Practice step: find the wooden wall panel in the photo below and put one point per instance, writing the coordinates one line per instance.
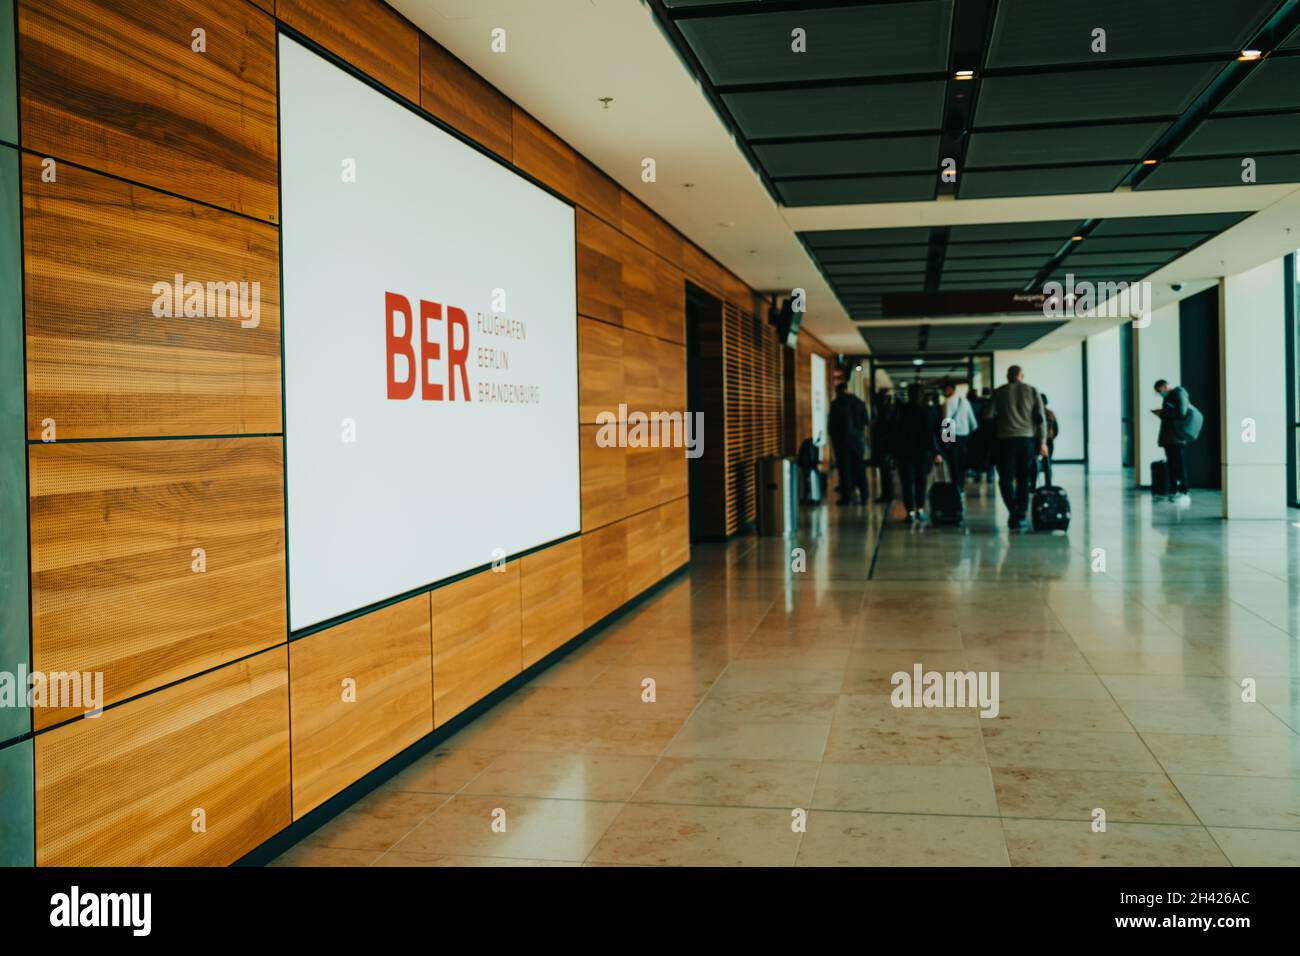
(461, 98)
(551, 589)
(113, 529)
(114, 85)
(369, 34)
(121, 789)
(604, 569)
(597, 193)
(387, 654)
(543, 155)
(644, 566)
(604, 479)
(600, 269)
(640, 294)
(600, 368)
(670, 302)
(477, 642)
(753, 366)
(674, 534)
(99, 362)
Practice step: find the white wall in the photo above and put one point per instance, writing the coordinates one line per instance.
(1059, 374)
(1105, 415)
(1252, 349)
(1155, 356)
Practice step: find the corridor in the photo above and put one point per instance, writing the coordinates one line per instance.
(1123, 652)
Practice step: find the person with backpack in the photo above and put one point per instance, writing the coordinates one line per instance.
(882, 436)
(1053, 429)
(1180, 424)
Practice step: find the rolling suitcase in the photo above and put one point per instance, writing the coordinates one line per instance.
(946, 506)
(1159, 478)
(1050, 509)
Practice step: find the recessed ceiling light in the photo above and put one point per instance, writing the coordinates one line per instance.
(918, 361)
(1148, 162)
(1076, 238)
(1249, 56)
(964, 75)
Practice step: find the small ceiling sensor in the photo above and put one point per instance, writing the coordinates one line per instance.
(964, 75)
(688, 185)
(727, 225)
(1249, 56)
(607, 100)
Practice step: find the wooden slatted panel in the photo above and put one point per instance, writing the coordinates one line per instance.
(752, 366)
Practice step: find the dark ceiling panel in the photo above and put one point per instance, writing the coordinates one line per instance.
(1147, 245)
(1242, 136)
(844, 190)
(844, 42)
(1050, 32)
(1042, 248)
(1100, 95)
(832, 238)
(823, 111)
(989, 183)
(1144, 259)
(984, 263)
(1272, 85)
(1060, 229)
(873, 254)
(1200, 222)
(1063, 145)
(872, 268)
(1018, 335)
(1204, 173)
(1292, 42)
(881, 154)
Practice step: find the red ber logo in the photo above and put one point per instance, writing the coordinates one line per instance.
(402, 343)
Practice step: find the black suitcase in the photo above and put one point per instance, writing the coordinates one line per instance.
(1051, 509)
(946, 506)
(1160, 478)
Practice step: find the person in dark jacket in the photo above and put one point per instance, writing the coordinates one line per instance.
(1180, 423)
(916, 449)
(845, 423)
(882, 434)
(1053, 429)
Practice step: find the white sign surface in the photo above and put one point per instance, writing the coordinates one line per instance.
(430, 349)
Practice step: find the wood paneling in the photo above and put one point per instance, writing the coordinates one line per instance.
(600, 368)
(100, 363)
(551, 588)
(643, 551)
(115, 85)
(604, 479)
(604, 570)
(753, 368)
(597, 193)
(674, 535)
(337, 740)
(600, 269)
(543, 155)
(477, 643)
(461, 98)
(122, 789)
(369, 34)
(114, 526)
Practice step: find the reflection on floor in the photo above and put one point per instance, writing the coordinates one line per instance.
(1121, 651)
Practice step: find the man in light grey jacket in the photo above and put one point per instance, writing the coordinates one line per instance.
(1021, 438)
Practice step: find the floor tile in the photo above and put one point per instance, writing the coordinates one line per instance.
(896, 839)
(655, 835)
(1056, 843)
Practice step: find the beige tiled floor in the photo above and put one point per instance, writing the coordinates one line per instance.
(772, 740)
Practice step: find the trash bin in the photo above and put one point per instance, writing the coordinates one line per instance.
(778, 497)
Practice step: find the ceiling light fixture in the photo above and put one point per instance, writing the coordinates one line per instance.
(1076, 238)
(1148, 162)
(1249, 56)
(918, 361)
(964, 75)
